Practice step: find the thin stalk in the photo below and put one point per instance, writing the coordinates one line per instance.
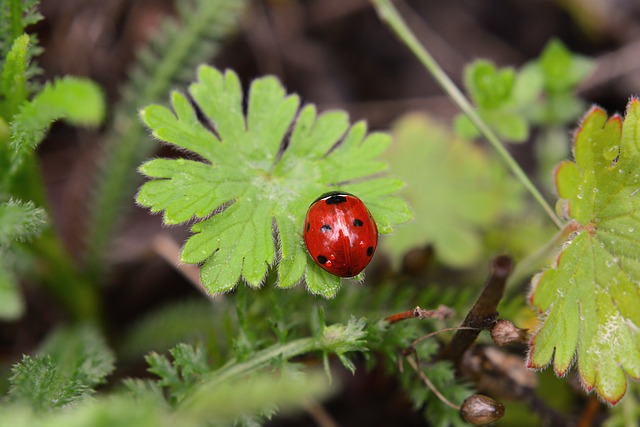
(57, 271)
(389, 14)
(15, 13)
(234, 370)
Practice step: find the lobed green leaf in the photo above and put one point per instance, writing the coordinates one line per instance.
(590, 296)
(453, 184)
(260, 174)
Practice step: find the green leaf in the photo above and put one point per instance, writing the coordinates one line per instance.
(590, 297)
(81, 353)
(456, 189)
(499, 95)
(39, 383)
(20, 221)
(488, 86)
(77, 101)
(189, 364)
(527, 86)
(255, 176)
(213, 403)
(463, 127)
(511, 126)
(77, 360)
(562, 70)
(13, 82)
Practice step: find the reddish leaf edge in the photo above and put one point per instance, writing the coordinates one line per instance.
(594, 113)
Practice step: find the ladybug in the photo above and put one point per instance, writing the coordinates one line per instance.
(340, 233)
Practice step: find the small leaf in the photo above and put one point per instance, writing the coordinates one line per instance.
(256, 176)
(20, 221)
(77, 101)
(488, 86)
(528, 85)
(455, 188)
(13, 82)
(80, 353)
(465, 128)
(39, 383)
(499, 95)
(561, 69)
(590, 297)
(512, 127)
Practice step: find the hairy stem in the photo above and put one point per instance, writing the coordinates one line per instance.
(234, 370)
(392, 18)
(57, 271)
(127, 143)
(15, 12)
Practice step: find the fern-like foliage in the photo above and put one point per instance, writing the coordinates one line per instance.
(15, 17)
(178, 45)
(72, 362)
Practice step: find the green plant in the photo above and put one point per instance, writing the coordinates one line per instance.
(588, 297)
(26, 113)
(261, 185)
(176, 48)
(248, 167)
(542, 92)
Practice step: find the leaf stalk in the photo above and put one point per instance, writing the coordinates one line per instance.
(389, 14)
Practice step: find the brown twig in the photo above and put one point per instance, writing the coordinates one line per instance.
(483, 314)
(167, 248)
(440, 313)
(320, 415)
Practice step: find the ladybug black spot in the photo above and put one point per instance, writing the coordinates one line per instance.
(308, 226)
(370, 251)
(322, 259)
(325, 228)
(357, 223)
(336, 199)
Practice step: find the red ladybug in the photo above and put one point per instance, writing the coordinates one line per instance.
(340, 233)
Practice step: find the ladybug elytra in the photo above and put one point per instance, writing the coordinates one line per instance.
(340, 233)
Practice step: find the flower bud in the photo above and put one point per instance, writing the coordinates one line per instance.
(505, 332)
(480, 410)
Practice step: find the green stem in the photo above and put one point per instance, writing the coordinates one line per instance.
(79, 297)
(57, 271)
(388, 13)
(234, 370)
(15, 14)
